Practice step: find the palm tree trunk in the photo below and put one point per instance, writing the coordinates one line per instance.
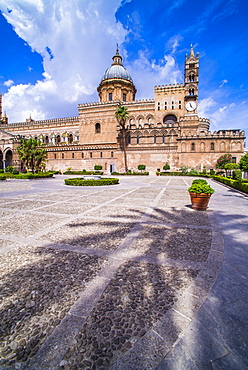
(124, 148)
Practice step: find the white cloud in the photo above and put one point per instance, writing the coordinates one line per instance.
(147, 74)
(223, 82)
(80, 35)
(205, 105)
(8, 83)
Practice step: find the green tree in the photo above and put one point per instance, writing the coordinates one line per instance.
(141, 167)
(223, 160)
(166, 166)
(243, 163)
(32, 154)
(121, 114)
(231, 166)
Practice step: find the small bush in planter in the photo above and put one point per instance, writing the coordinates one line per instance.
(200, 193)
(200, 181)
(97, 167)
(201, 188)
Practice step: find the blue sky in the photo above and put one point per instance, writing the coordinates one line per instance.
(54, 53)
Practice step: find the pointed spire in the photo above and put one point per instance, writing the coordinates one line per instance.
(192, 53)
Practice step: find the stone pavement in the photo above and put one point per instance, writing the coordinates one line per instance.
(122, 277)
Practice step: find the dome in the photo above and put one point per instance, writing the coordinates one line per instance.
(117, 71)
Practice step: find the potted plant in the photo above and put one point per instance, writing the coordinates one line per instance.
(200, 192)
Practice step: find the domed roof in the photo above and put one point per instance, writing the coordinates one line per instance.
(117, 70)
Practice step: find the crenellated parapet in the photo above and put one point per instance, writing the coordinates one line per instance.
(231, 134)
(47, 122)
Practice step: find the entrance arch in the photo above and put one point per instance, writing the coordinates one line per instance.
(8, 158)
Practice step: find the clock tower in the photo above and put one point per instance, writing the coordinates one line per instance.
(191, 76)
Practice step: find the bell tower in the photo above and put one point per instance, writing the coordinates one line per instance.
(191, 79)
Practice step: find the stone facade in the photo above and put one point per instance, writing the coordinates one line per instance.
(164, 129)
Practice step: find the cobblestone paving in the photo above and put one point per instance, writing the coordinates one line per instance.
(99, 276)
(38, 286)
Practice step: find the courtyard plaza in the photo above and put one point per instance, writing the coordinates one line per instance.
(122, 277)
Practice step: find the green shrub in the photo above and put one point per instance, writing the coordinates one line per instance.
(237, 175)
(236, 184)
(201, 188)
(184, 169)
(15, 172)
(84, 172)
(97, 167)
(193, 172)
(212, 172)
(1, 171)
(83, 182)
(130, 173)
(166, 166)
(2, 177)
(141, 167)
(200, 181)
(31, 175)
(9, 169)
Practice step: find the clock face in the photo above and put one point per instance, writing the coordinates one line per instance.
(190, 106)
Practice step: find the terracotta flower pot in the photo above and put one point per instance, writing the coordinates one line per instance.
(199, 201)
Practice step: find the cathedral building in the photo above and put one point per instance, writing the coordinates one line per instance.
(164, 129)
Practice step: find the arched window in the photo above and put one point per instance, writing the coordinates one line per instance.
(70, 138)
(112, 154)
(46, 139)
(212, 146)
(192, 147)
(154, 139)
(191, 91)
(72, 155)
(192, 77)
(170, 118)
(100, 154)
(82, 155)
(8, 158)
(63, 156)
(58, 139)
(97, 128)
(137, 140)
(110, 96)
(124, 97)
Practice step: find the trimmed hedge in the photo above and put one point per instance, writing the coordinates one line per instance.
(182, 174)
(84, 172)
(83, 182)
(130, 173)
(2, 177)
(236, 184)
(28, 175)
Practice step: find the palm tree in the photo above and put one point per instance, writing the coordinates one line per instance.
(31, 153)
(121, 114)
